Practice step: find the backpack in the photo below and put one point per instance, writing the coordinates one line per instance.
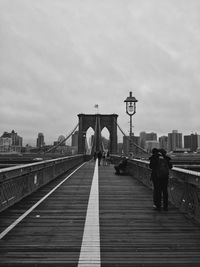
(162, 168)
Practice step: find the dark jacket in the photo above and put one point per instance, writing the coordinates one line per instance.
(99, 155)
(154, 161)
(153, 166)
(123, 163)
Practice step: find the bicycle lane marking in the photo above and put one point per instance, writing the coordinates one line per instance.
(90, 248)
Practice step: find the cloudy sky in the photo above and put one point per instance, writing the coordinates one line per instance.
(59, 58)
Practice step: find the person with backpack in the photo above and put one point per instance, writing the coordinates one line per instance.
(160, 164)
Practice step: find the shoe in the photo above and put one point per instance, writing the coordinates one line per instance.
(156, 208)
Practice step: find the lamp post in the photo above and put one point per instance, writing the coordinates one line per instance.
(130, 110)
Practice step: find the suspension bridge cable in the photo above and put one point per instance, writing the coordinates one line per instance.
(142, 149)
(100, 136)
(60, 143)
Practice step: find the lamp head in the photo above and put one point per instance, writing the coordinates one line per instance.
(130, 104)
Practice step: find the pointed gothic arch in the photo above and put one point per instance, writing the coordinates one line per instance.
(98, 122)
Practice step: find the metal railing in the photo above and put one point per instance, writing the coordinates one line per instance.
(19, 182)
(184, 185)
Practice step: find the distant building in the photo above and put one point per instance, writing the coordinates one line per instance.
(142, 139)
(74, 144)
(61, 140)
(163, 142)
(151, 136)
(10, 142)
(126, 145)
(149, 145)
(75, 139)
(55, 143)
(40, 140)
(120, 148)
(147, 137)
(192, 142)
(174, 140)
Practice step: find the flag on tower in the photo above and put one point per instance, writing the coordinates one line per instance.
(96, 105)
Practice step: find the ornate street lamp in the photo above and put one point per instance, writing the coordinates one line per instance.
(130, 110)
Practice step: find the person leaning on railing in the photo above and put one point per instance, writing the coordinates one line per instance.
(160, 164)
(121, 167)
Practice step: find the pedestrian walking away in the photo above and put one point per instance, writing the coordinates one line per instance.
(104, 158)
(108, 158)
(99, 155)
(95, 155)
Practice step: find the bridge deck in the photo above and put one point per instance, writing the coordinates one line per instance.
(131, 233)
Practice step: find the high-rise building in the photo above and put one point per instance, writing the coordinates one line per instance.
(151, 136)
(40, 140)
(163, 142)
(61, 140)
(142, 139)
(75, 139)
(120, 148)
(10, 142)
(174, 141)
(150, 144)
(192, 142)
(147, 137)
(6, 142)
(126, 144)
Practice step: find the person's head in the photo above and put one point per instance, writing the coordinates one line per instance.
(163, 151)
(154, 151)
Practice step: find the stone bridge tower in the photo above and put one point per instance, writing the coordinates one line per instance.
(97, 122)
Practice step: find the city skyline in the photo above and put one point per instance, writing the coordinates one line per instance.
(33, 141)
(61, 58)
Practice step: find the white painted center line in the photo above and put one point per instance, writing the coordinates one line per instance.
(90, 248)
(9, 228)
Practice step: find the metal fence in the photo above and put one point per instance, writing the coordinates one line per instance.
(19, 182)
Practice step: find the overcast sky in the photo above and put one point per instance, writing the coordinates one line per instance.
(59, 58)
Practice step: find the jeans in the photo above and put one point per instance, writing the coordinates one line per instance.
(160, 192)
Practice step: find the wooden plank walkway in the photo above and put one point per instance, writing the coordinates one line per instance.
(131, 233)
